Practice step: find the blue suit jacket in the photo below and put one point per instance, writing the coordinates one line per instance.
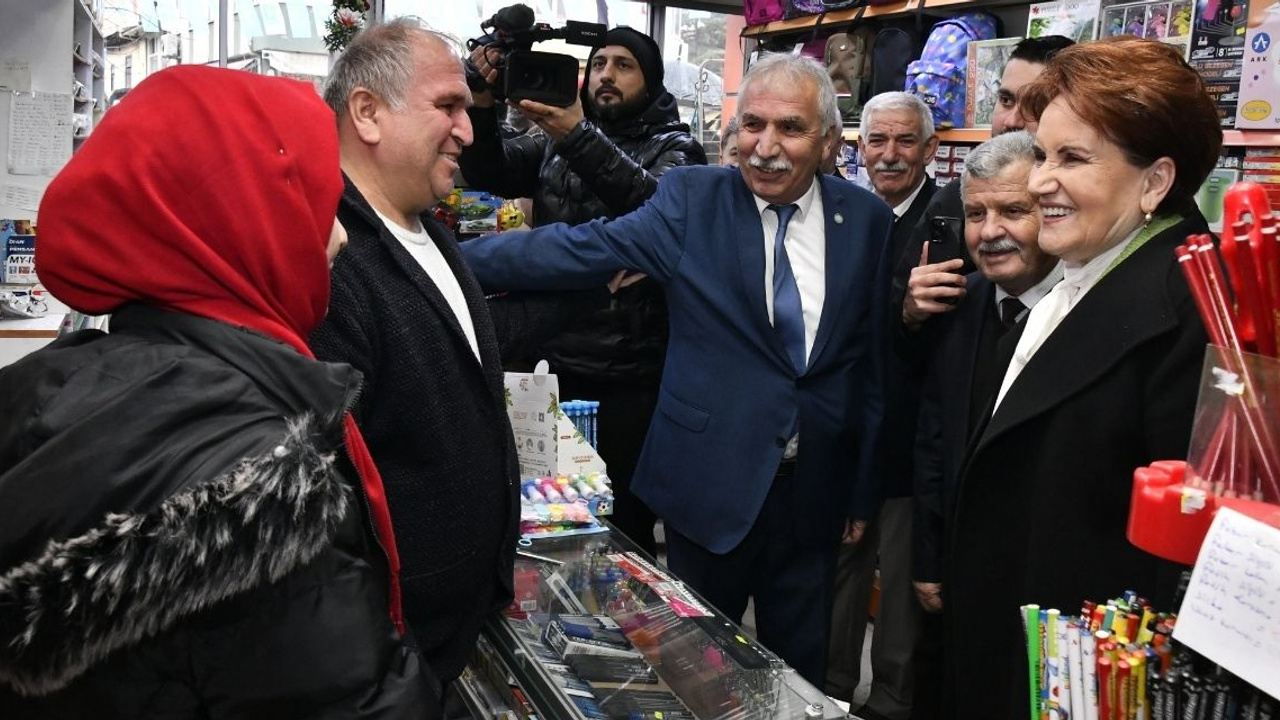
(729, 395)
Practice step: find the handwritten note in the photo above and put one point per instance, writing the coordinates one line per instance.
(39, 133)
(21, 197)
(15, 74)
(1231, 613)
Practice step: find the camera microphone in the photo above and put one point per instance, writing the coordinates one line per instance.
(513, 18)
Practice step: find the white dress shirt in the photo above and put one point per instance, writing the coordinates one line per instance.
(424, 250)
(1047, 315)
(901, 208)
(807, 250)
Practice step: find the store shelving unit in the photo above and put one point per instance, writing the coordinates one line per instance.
(88, 53)
(837, 19)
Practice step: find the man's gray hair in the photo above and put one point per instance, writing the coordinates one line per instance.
(897, 102)
(991, 157)
(380, 59)
(730, 130)
(794, 69)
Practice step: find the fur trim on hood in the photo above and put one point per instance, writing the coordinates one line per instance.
(136, 575)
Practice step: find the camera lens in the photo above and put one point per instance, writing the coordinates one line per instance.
(531, 78)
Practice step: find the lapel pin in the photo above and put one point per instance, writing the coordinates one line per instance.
(838, 218)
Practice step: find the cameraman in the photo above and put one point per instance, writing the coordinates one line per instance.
(598, 158)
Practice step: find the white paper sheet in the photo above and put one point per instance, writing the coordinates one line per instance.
(1231, 613)
(39, 133)
(21, 197)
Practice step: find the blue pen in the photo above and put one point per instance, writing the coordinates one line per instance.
(595, 414)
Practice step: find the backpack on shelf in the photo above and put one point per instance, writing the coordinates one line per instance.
(847, 56)
(937, 77)
(800, 8)
(893, 49)
(759, 12)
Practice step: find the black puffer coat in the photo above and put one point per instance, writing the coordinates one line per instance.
(599, 170)
(175, 541)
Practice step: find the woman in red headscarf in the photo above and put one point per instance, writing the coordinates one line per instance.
(177, 538)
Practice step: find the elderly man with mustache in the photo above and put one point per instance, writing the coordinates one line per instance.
(761, 456)
(968, 353)
(897, 142)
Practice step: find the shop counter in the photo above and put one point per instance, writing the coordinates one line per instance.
(598, 630)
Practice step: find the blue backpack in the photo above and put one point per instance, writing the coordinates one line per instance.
(937, 77)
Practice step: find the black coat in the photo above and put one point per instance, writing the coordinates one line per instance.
(1043, 500)
(435, 420)
(598, 170)
(944, 428)
(902, 369)
(176, 540)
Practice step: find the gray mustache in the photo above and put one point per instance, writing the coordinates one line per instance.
(776, 165)
(997, 246)
(900, 166)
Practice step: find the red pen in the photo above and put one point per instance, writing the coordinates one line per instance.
(1200, 292)
(1131, 627)
(1106, 710)
(1122, 705)
(1252, 300)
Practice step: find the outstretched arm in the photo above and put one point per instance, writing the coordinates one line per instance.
(561, 257)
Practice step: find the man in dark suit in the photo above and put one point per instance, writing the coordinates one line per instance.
(897, 142)
(761, 455)
(409, 315)
(970, 348)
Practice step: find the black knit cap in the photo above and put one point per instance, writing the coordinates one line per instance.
(645, 51)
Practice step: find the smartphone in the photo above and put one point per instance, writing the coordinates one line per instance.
(942, 230)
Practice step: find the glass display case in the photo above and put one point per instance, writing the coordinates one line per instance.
(599, 631)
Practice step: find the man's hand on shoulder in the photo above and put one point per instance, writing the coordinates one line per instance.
(555, 121)
(932, 289)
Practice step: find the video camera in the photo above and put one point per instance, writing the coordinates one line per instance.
(548, 78)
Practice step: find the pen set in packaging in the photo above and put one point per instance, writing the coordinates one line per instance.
(1117, 660)
(583, 414)
(564, 503)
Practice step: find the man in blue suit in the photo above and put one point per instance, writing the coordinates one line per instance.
(761, 457)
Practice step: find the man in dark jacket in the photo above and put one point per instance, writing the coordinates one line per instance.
(598, 158)
(898, 141)
(408, 314)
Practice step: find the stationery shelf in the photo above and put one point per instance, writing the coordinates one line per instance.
(955, 135)
(837, 18)
(1230, 138)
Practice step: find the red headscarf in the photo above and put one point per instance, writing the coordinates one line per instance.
(205, 191)
(210, 192)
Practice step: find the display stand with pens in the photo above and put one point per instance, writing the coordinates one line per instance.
(1234, 458)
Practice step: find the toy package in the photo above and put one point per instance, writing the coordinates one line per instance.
(17, 252)
(1168, 21)
(1074, 19)
(1259, 107)
(1218, 49)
